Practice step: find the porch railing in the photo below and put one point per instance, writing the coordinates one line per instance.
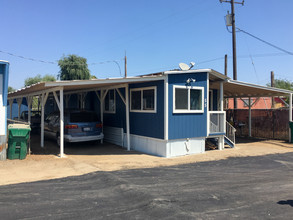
(217, 122)
(230, 132)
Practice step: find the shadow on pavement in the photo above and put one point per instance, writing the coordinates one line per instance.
(85, 148)
(286, 202)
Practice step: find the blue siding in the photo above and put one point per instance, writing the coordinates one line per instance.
(117, 119)
(149, 124)
(15, 110)
(187, 125)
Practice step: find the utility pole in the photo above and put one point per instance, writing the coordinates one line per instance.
(226, 65)
(273, 85)
(232, 2)
(125, 59)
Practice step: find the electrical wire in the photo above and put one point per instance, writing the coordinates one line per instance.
(272, 45)
(56, 62)
(27, 58)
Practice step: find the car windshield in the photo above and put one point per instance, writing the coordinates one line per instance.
(83, 117)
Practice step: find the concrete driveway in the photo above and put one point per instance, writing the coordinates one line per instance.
(258, 187)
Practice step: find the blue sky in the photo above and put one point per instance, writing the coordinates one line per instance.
(156, 34)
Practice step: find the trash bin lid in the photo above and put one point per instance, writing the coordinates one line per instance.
(18, 126)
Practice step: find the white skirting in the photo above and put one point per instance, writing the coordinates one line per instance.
(155, 146)
(167, 148)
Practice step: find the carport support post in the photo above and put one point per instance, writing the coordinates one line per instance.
(42, 119)
(61, 124)
(221, 97)
(19, 101)
(290, 115)
(249, 116)
(10, 105)
(29, 103)
(101, 110)
(127, 116)
(43, 100)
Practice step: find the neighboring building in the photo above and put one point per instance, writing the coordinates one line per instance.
(4, 68)
(258, 103)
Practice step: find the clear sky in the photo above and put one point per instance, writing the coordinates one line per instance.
(156, 34)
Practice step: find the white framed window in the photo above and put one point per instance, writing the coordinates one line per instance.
(188, 99)
(143, 99)
(110, 102)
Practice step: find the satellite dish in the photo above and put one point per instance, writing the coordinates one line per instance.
(192, 64)
(184, 66)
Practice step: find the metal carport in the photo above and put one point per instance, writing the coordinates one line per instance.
(65, 88)
(238, 89)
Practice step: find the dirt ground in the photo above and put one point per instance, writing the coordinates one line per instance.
(44, 163)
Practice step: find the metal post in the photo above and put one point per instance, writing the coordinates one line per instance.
(273, 85)
(249, 116)
(61, 124)
(29, 102)
(221, 96)
(101, 111)
(127, 116)
(19, 101)
(42, 119)
(10, 105)
(226, 65)
(290, 115)
(125, 66)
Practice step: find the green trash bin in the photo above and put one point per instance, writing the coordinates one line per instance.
(291, 129)
(17, 141)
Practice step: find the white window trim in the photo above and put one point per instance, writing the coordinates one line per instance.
(142, 89)
(188, 110)
(108, 111)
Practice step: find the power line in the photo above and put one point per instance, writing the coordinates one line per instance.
(56, 62)
(27, 58)
(272, 45)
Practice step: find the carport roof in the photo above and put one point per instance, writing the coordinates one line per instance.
(232, 88)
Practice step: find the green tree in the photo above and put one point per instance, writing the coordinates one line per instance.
(73, 67)
(48, 78)
(283, 84)
(93, 77)
(10, 89)
(33, 80)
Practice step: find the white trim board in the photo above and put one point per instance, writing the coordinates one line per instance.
(141, 89)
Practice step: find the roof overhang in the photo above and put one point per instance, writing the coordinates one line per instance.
(234, 89)
(80, 85)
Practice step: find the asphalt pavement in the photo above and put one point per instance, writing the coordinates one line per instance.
(244, 188)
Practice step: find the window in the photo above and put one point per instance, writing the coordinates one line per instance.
(188, 99)
(109, 104)
(143, 99)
